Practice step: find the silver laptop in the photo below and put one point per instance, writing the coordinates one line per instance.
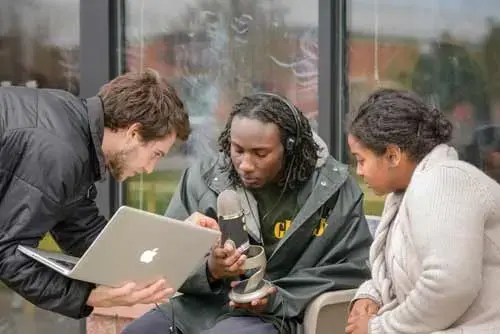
(136, 246)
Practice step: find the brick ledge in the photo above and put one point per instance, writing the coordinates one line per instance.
(130, 312)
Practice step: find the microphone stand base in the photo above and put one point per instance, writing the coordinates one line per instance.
(238, 295)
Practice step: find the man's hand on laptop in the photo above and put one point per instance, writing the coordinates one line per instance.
(205, 221)
(129, 294)
(202, 220)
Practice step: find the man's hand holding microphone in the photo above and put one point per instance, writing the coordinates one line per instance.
(132, 293)
(229, 255)
(227, 262)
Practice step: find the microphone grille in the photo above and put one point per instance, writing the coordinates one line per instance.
(228, 203)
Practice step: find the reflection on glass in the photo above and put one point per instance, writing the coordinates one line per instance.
(39, 47)
(39, 44)
(214, 52)
(447, 51)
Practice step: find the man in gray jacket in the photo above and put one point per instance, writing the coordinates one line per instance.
(53, 147)
(300, 204)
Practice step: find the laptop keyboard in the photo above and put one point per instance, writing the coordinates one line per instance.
(65, 264)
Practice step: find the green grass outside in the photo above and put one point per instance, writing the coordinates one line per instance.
(373, 204)
(156, 189)
(49, 244)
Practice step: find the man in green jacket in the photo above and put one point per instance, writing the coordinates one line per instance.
(300, 204)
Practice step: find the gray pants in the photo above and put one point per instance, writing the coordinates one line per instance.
(156, 322)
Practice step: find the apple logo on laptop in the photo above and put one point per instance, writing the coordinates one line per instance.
(148, 255)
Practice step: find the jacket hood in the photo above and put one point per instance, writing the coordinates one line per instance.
(323, 152)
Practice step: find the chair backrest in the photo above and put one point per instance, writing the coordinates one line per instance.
(327, 314)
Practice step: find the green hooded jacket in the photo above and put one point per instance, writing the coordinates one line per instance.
(325, 247)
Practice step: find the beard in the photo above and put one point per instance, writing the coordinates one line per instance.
(117, 163)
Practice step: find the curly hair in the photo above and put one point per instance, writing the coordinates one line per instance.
(147, 99)
(401, 118)
(273, 109)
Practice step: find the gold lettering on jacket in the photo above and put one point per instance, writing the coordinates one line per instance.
(281, 227)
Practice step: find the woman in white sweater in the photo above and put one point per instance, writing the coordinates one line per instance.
(435, 258)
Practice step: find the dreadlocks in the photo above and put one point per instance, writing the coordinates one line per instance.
(270, 109)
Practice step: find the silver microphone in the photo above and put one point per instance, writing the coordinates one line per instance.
(232, 221)
(233, 228)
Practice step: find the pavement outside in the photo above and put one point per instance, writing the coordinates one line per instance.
(17, 316)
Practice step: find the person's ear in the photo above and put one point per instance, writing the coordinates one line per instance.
(133, 132)
(394, 155)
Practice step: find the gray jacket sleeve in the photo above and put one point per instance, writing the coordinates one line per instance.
(34, 281)
(82, 225)
(184, 202)
(30, 207)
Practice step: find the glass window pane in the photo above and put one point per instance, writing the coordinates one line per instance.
(447, 51)
(39, 47)
(214, 52)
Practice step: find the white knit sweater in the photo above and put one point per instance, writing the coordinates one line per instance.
(436, 254)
